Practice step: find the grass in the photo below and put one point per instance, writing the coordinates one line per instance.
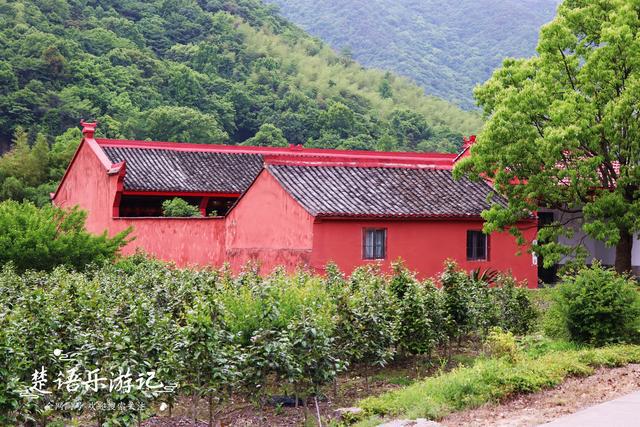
(396, 379)
(491, 380)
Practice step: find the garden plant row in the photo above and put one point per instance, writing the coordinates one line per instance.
(140, 333)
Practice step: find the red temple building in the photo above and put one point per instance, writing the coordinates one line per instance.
(290, 207)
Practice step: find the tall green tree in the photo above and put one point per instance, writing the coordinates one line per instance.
(385, 89)
(182, 124)
(410, 128)
(17, 161)
(563, 130)
(268, 136)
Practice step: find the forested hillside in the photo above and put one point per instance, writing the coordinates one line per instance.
(206, 71)
(216, 71)
(446, 46)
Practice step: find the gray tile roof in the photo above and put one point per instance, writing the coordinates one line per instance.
(155, 169)
(322, 190)
(383, 191)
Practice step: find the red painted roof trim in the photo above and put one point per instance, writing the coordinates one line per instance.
(398, 217)
(110, 167)
(461, 154)
(358, 163)
(320, 218)
(291, 153)
(167, 218)
(178, 193)
(264, 170)
(88, 132)
(115, 211)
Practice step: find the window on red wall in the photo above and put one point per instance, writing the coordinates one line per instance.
(374, 243)
(477, 248)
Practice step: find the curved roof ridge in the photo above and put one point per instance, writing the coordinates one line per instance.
(291, 153)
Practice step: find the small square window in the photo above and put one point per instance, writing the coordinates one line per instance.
(476, 246)
(374, 243)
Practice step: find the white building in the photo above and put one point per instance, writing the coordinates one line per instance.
(596, 249)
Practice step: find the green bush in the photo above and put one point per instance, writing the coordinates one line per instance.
(42, 238)
(178, 207)
(212, 333)
(208, 350)
(457, 301)
(420, 315)
(502, 344)
(596, 306)
(472, 306)
(190, 327)
(366, 318)
(515, 309)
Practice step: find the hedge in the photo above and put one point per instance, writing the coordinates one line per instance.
(214, 335)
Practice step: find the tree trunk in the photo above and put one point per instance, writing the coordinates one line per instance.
(315, 399)
(366, 376)
(210, 410)
(623, 252)
(194, 404)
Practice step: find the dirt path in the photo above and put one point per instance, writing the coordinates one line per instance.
(534, 409)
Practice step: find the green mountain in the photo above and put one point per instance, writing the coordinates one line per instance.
(446, 46)
(209, 71)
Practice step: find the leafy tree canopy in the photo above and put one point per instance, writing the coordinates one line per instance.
(563, 129)
(178, 207)
(445, 46)
(268, 136)
(170, 69)
(203, 72)
(43, 238)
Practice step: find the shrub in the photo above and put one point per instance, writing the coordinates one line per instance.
(313, 351)
(209, 357)
(420, 317)
(515, 309)
(215, 334)
(472, 307)
(456, 301)
(502, 344)
(467, 302)
(178, 207)
(43, 238)
(596, 306)
(366, 318)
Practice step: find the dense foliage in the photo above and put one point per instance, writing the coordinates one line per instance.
(30, 171)
(564, 126)
(43, 238)
(203, 72)
(596, 306)
(212, 334)
(178, 207)
(210, 72)
(446, 46)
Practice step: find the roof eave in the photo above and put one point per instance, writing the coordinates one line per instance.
(88, 139)
(387, 217)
